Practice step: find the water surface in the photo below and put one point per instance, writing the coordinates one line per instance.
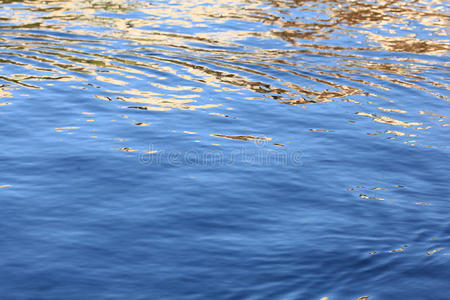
(224, 149)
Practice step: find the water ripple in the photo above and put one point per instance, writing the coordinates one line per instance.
(318, 129)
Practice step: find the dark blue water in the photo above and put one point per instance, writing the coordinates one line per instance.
(224, 150)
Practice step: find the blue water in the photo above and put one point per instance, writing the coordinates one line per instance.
(224, 150)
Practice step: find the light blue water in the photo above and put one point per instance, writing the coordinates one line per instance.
(224, 150)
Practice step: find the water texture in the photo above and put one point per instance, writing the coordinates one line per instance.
(239, 149)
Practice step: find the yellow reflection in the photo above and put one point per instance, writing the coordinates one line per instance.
(165, 103)
(434, 251)
(151, 152)
(393, 110)
(397, 250)
(242, 137)
(322, 130)
(219, 114)
(111, 80)
(367, 197)
(4, 93)
(125, 149)
(178, 88)
(399, 133)
(388, 120)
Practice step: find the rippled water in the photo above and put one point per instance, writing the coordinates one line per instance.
(224, 149)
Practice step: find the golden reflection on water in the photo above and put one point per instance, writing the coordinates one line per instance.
(434, 251)
(374, 194)
(242, 137)
(175, 48)
(322, 130)
(126, 149)
(388, 120)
